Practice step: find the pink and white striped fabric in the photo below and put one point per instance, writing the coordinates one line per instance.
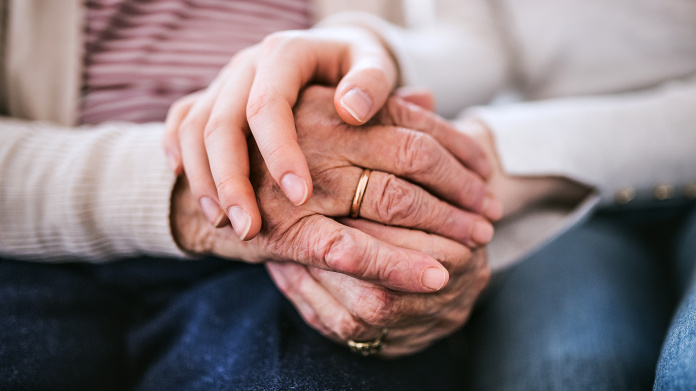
(142, 55)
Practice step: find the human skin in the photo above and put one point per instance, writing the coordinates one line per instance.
(384, 262)
(254, 95)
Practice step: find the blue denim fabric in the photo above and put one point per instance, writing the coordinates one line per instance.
(149, 324)
(590, 310)
(676, 368)
(595, 309)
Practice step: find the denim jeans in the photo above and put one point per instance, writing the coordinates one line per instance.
(601, 307)
(149, 324)
(610, 305)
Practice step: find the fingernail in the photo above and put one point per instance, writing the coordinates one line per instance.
(357, 103)
(492, 208)
(295, 188)
(241, 222)
(212, 211)
(433, 278)
(483, 232)
(171, 160)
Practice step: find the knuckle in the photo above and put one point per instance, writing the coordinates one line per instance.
(312, 319)
(398, 202)
(283, 40)
(376, 307)
(226, 183)
(213, 128)
(189, 125)
(419, 154)
(258, 103)
(341, 252)
(346, 327)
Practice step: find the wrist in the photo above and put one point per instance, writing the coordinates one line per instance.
(518, 193)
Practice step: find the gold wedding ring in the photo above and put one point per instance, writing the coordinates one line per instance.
(359, 193)
(368, 348)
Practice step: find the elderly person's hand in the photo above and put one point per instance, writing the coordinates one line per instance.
(337, 154)
(255, 93)
(344, 308)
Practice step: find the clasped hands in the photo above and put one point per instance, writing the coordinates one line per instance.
(412, 262)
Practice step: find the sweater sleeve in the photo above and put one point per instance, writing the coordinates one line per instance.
(89, 193)
(451, 44)
(632, 146)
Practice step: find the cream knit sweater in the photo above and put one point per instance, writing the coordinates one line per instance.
(611, 90)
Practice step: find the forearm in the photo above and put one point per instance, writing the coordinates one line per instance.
(88, 193)
(608, 143)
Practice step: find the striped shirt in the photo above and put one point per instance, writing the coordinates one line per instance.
(142, 55)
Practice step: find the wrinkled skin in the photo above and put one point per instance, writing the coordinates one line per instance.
(365, 273)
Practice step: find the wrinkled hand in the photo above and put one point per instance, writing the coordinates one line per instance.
(337, 154)
(255, 93)
(343, 308)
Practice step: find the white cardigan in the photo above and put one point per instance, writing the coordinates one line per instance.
(611, 91)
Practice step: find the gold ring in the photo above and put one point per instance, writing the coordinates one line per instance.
(359, 193)
(368, 348)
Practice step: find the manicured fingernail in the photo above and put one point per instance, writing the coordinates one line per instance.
(171, 160)
(241, 222)
(433, 278)
(357, 103)
(295, 188)
(483, 232)
(492, 208)
(212, 211)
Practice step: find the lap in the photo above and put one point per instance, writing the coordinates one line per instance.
(236, 331)
(163, 324)
(676, 369)
(588, 311)
(60, 330)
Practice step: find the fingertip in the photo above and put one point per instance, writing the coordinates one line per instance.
(492, 208)
(295, 188)
(358, 104)
(482, 232)
(246, 221)
(212, 212)
(240, 220)
(434, 278)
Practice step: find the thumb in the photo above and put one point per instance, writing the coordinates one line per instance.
(365, 88)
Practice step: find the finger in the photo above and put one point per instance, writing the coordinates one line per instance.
(463, 147)
(394, 201)
(422, 97)
(420, 158)
(349, 251)
(195, 160)
(367, 84)
(170, 140)
(316, 305)
(269, 112)
(380, 307)
(226, 145)
(452, 255)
